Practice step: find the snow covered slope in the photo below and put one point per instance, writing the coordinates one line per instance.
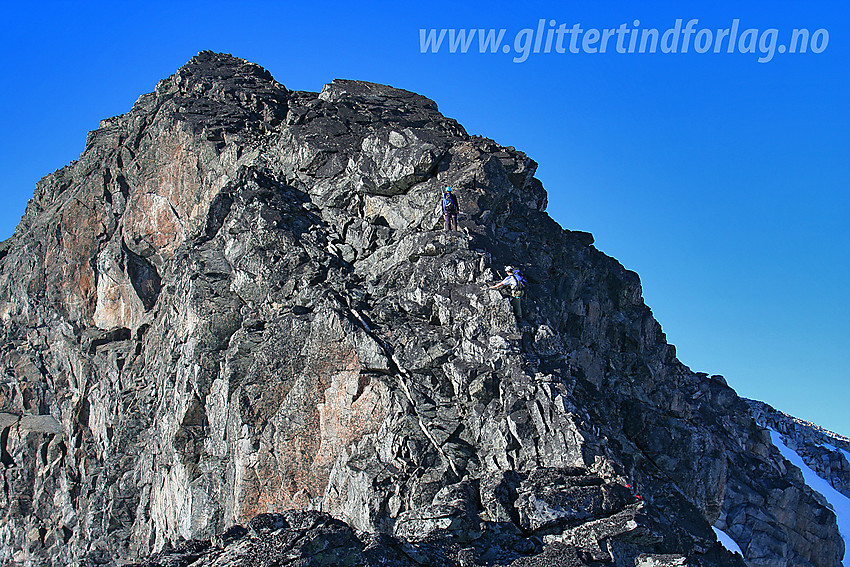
(839, 503)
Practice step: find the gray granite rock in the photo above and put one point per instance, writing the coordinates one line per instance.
(234, 334)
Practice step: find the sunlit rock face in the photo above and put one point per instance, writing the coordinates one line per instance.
(238, 308)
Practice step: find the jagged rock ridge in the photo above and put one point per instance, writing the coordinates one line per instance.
(825, 452)
(238, 303)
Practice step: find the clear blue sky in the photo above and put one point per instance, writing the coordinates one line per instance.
(722, 181)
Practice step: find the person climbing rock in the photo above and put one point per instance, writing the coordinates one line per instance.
(450, 209)
(516, 281)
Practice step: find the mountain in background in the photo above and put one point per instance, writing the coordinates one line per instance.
(234, 333)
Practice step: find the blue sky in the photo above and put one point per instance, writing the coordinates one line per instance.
(722, 181)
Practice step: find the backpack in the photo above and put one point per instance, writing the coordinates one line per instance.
(449, 203)
(520, 279)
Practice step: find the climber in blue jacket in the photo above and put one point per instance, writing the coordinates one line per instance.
(450, 209)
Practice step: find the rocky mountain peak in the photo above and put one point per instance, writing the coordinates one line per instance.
(234, 330)
(210, 75)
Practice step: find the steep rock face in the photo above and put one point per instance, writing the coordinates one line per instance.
(238, 302)
(825, 452)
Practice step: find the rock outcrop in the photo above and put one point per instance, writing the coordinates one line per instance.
(237, 309)
(825, 452)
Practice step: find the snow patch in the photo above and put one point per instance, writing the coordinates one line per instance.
(727, 541)
(839, 503)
